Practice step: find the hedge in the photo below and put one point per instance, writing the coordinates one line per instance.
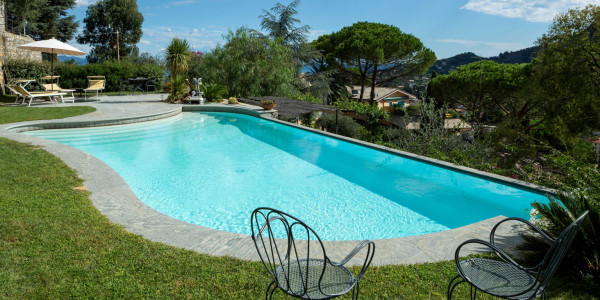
(75, 76)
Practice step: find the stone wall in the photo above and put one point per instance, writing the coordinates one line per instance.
(2, 17)
(8, 50)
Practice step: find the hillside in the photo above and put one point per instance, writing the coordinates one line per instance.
(444, 66)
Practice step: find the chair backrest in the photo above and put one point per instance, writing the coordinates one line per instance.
(96, 82)
(557, 251)
(284, 242)
(19, 90)
(51, 87)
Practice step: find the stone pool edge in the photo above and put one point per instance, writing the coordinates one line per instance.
(114, 198)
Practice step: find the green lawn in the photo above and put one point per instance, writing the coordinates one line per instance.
(55, 244)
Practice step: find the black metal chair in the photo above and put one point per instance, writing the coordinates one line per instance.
(507, 279)
(294, 255)
(151, 83)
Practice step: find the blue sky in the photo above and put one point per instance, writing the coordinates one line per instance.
(448, 27)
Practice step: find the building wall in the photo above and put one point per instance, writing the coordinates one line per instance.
(8, 50)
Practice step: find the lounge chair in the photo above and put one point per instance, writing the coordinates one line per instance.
(23, 93)
(505, 278)
(96, 84)
(295, 257)
(53, 87)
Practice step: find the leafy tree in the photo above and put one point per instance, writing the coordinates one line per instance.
(250, 64)
(486, 89)
(45, 18)
(568, 69)
(372, 48)
(280, 23)
(102, 22)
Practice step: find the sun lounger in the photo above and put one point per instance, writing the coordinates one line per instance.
(53, 87)
(96, 84)
(22, 92)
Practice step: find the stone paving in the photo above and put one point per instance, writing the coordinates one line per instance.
(114, 198)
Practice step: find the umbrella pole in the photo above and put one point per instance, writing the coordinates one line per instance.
(52, 64)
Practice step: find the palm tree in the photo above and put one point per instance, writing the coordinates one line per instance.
(177, 56)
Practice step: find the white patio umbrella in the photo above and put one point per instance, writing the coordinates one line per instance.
(52, 46)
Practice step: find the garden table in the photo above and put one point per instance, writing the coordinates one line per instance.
(138, 83)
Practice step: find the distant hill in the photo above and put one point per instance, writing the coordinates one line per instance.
(444, 66)
(80, 60)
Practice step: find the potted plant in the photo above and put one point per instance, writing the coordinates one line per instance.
(267, 104)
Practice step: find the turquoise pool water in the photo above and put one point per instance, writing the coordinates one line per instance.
(213, 169)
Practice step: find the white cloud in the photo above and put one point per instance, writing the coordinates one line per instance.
(85, 2)
(530, 10)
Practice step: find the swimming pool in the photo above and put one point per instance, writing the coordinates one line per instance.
(213, 169)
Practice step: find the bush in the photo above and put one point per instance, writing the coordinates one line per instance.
(413, 110)
(555, 217)
(75, 76)
(346, 125)
(232, 100)
(213, 92)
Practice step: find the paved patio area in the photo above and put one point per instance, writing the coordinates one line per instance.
(114, 198)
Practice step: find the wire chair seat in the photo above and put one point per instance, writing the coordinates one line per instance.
(500, 278)
(504, 277)
(294, 255)
(336, 280)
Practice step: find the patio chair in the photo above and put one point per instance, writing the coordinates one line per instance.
(96, 84)
(151, 83)
(23, 93)
(505, 278)
(53, 87)
(294, 255)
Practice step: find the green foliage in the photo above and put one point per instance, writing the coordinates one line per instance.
(75, 76)
(433, 140)
(178, 89)
(305, 97)
(45, 19)
(267, 102)
(22, 68)
(346, 125)
(213, 91)
(103, 19)
(177, 56)
(556, 216)
(250, 66)
(413, 110)
(370, 47)
(568, 70)
(372, 112)
(281, 24)
(489, 90)
(232, 100)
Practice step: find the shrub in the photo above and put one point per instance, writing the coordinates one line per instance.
(266, 102)
(75, 76)
(213, 92)
(413, 110)
(232, 100)
(346, 125)
(556, 216)
(178, 88)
